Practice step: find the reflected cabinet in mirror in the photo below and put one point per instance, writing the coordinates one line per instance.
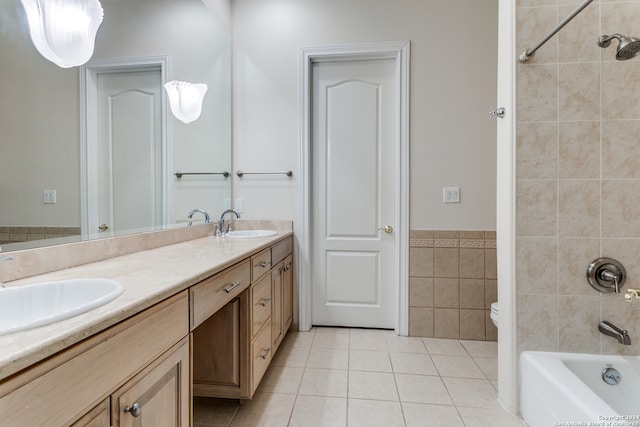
(93, 151)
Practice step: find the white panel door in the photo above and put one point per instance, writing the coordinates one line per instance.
(353, 175)
(130, 149)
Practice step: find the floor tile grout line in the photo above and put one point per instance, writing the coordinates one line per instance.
(395, 381)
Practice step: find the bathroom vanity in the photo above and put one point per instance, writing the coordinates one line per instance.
(202, 317)
(233, 345)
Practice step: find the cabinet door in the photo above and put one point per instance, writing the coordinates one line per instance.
(277, 330)
(97, 417)
(159, 395)
(287, 294)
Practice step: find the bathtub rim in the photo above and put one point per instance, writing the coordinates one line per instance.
(567, 382)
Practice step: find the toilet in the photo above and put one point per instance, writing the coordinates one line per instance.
(494, 313)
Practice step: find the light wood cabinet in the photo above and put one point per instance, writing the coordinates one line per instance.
(260, 264)
(215, 339)
(282, 291)
(233, 348)
(158, 396)
(71, 387)
(261, 354)
(277, 327)
(287, 292)
(210, 295)
(100, 416)
(261, 300)
(221, 352)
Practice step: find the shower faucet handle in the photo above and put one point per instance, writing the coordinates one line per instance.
(606, 275)
(499, 112)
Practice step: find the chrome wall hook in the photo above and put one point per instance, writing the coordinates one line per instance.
(500, 113)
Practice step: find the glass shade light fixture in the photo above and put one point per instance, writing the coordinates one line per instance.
(185, 99)
(64, 31)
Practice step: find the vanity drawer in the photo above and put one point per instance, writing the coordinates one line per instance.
(280, 250)
(213, 293)
(260, 303)
(260, 264)
(261, 353)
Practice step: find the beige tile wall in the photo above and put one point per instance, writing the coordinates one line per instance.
(452, 283)
(578, 175)
(27, 234)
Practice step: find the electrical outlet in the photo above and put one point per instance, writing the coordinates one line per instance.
(227, 204)
(239, 205)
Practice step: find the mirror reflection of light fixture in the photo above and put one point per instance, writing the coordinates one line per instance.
(186, 99)
(64, 31)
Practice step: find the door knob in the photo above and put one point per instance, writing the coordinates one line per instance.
(103, 227)
(387, 229)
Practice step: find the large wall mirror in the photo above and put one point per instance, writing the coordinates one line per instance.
(49, 181)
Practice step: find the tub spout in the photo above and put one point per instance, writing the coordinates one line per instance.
(612, 330)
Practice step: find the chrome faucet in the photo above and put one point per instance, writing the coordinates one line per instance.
(222, 229)
(6, 258)
(207, 219)
(612, 330)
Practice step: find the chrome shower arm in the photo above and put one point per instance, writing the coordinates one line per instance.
(528, 53)
(605, 41)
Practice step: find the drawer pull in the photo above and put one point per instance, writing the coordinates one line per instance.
(264, 263)
(134, 409)
(265, 301)
(232, 287)
(266, 353)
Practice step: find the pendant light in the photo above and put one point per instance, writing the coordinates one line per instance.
(186, 99)
(64, 31)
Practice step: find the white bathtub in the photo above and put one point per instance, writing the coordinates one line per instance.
(566, 389)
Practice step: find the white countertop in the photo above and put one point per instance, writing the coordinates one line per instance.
(148, 277)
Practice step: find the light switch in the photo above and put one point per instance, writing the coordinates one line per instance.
(227, 204)
(451, 194)
(49, 196)
(239, 205)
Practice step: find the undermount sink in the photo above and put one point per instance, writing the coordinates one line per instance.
(249, 234)
(31, 306)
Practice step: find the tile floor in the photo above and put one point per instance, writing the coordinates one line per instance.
(359, 377)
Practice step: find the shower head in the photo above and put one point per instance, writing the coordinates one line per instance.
(628, 47)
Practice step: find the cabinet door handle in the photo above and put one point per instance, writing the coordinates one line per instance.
(265, 302)
(232, 287)
(287, 267)
(266, 353)
(264, 263)
(134, 409)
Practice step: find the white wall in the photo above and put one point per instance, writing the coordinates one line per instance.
(453, 84)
